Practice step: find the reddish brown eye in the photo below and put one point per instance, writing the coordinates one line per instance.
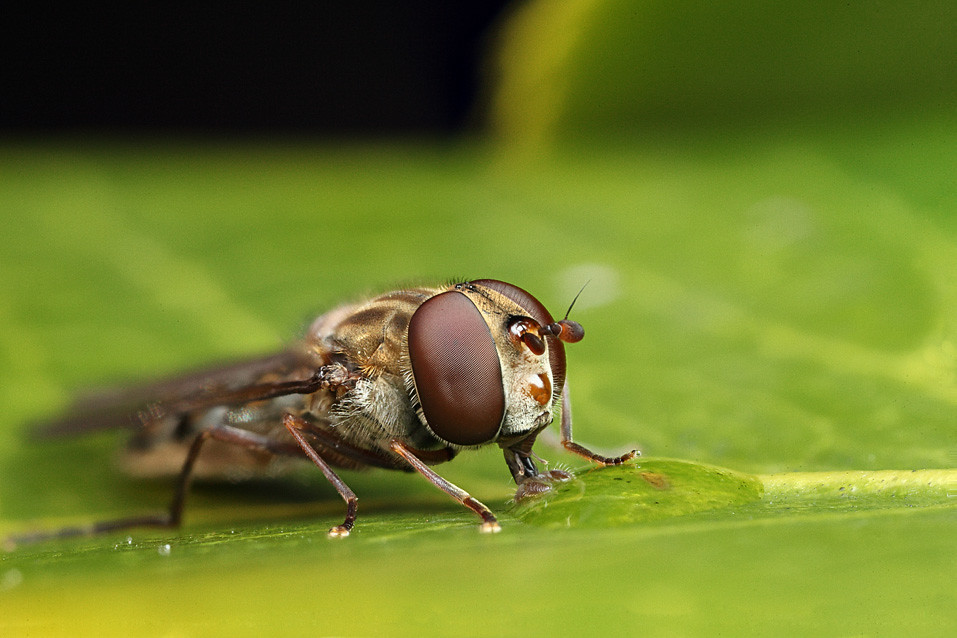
(456, 370)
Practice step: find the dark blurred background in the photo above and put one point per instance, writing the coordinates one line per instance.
(530, 69)
(319, 68)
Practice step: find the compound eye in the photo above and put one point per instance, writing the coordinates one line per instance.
(456, 370)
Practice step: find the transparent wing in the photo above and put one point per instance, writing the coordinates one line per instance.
(290, 372)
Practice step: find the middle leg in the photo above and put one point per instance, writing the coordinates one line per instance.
(296, 426)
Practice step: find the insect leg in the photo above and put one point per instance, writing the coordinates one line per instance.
(296, 426)
(174, 514)
(227, 434)
(581, 450)
(489, 524)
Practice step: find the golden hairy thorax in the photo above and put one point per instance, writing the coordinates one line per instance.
(370, 336)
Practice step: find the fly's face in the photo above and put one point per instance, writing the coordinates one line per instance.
(487, 363)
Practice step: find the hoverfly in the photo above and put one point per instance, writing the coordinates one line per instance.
(403, 381)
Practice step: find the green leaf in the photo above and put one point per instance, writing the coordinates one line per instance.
(665, 489)
(780, 305)
(651, 490)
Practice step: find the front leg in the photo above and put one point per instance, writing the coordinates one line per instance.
(529, 480)
(489, 524)
(581, 450)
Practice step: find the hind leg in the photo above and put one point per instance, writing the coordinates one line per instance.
(174, 514)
